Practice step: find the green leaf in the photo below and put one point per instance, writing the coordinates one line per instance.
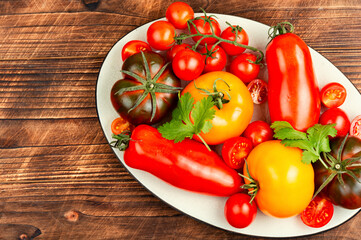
(302, 144)
(203, 111)
(308, 157)
(284, 130)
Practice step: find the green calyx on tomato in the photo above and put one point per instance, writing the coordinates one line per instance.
(217, 95)
(279, 29)
(340, 165)
(147, 78)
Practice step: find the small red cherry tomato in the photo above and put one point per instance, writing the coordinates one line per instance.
(188, 64)
(244, 67)
(318, 213)
(333, 95)
(339, 117)
(176, 49)
(215, 59)
(258, 132)
(235, 151)
(238, 211)
(259, 90)
(230, 34)
(120, 125)
(133, 47)
(205, 25)
(178, 13)
(355, 129)
(160, 35)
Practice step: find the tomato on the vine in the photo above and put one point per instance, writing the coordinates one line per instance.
(133, 47)
(238, 210)
(333, 95)
(160, 35)
(188, 64)
(215, 60)
(232, 100)
(318, 213)
(178, 13)
(120, 125)
(259, 90)
(235, 150)
(205, 25)
(339, 117)
(355, 129)
(284, 184)
(244, 67)
(230, 34)
(258, 132)
(176, 49)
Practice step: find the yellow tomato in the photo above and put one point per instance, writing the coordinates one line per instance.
(285, 184)
(234, 116)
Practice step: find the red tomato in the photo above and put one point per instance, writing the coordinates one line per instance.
(218, 59)
(333, 95)
(258, 132)
(318, 213)
(235, 151)
(188, 64)
(176, 49)
(355, 129)
(338, 116)
(160, 35)
(259, 90)
(293, 89)
(208, 26)
(238, 211)
(230, 34)
(178, 13)
(120, 125)
(134, 46)
(243, 66)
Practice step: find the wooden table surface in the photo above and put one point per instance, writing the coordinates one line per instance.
(59, 179)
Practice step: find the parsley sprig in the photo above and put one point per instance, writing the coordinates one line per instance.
(181, 126)
(313, 142)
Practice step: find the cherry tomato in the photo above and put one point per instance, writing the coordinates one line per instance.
(188, 64)
(318, 213)
(338, 116)
(176, 49)
(178, 13)
(231, 117)
(235, 151)
(258, 132)
(238, 210)
(243, 66)
(285, 184)
(160, 35)
(205, 25)
(259, 90)
(120, 125)
(355, 129)
(218, 59)
(333, 95)
(230, 34)
(134, 46)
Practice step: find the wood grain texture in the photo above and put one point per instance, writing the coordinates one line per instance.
(59, 179)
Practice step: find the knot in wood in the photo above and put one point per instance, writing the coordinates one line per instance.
(24, 237)
(71, 216)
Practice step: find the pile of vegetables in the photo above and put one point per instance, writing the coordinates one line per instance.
(192, 87)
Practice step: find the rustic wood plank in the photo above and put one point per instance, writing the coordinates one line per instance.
(59, 179)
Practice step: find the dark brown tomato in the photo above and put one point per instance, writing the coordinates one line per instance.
(130, 104)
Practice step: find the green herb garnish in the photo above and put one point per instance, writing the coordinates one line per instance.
(181, 126)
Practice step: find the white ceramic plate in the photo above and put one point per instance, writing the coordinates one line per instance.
(207, 208)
